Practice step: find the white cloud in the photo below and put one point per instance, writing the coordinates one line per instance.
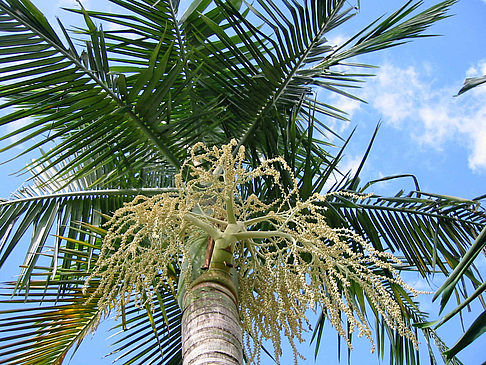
(394, 93)
(350, 163)
(348, 105)
(337, 40)
(477, 70)
(409, 99)
(477, 160)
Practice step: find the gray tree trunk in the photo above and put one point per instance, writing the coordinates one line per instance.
(211, 330)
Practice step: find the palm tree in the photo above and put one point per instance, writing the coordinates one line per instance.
(118, 119)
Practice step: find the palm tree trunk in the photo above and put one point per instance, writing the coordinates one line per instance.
(211, 330)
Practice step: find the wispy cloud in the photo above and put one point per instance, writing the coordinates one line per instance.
(410, 99)
(350, 164)
(337, 39)
(395, 93)
(477, 70)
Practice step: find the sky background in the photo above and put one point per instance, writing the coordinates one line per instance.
(425, 131)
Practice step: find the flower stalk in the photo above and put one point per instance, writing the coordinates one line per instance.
(278, 259)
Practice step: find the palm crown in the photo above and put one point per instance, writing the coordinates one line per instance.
(121, 103)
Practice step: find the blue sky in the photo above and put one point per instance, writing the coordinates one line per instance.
(425, 131)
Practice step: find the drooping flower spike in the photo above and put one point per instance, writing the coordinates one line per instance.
(287, 257)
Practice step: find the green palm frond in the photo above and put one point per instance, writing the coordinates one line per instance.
(158, 84)
(50, 206)
(43, 324)
(430, 230)
(52, 314)
(48, 314)
(396, 29)
(470, 83)
(71, 96)
(150, 335)
(275, 66)
(478, 327)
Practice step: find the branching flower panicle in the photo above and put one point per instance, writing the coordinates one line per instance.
(288, 258)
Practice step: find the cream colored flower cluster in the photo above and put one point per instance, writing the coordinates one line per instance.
(288, 258)
(313, 266)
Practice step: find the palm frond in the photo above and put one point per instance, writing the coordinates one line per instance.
(150, 335)
(48, 313)
(275, 65)
(478, 327)
(430, 230)
(51, 314)
(433, 233)
(74, 97)
(51, 207)
(157, 84)
(45, 322)
(470, 83)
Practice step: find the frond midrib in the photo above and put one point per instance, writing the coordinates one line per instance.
(286, 81)
(160, 145)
